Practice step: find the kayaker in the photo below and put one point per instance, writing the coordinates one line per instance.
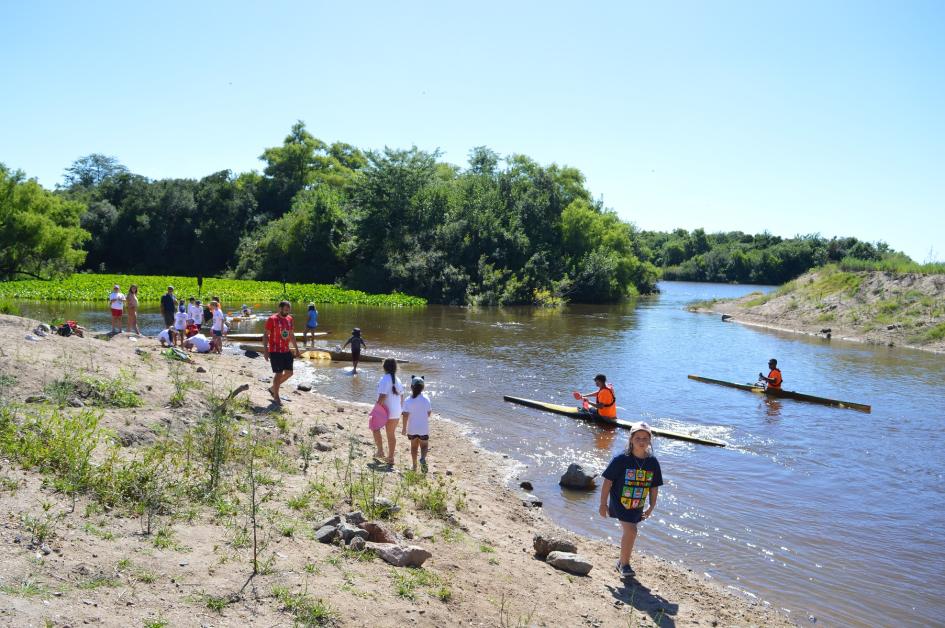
(774, 379)
(630, 479)
(606, 404)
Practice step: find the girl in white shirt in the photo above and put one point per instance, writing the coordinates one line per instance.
(390, 394)
(417, 411)
(180, 323)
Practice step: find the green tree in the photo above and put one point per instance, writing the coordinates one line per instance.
(40, 232)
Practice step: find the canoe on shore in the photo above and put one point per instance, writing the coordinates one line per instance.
(785, 394)
(258, 337)
(580, 413)
(326, 354)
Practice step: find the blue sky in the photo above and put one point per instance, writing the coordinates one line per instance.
(796, 118)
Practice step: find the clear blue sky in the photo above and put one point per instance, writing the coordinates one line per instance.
(795, 117)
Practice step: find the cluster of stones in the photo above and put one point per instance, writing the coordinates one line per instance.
(356, 533)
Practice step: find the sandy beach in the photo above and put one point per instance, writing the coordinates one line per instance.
(95, 565)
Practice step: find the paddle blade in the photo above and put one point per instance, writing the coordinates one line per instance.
(586, 405)
(577, 395)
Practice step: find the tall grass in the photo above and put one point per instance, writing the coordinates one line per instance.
(95, 287)
(899, 264)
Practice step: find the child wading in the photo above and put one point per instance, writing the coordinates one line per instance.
(356, 342)
(629, 480)
(417, 411)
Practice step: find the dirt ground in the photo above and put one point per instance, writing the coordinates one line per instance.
(96, 566)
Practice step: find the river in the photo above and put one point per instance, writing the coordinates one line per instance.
(827, 514)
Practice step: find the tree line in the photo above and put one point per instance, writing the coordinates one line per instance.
(494, 231)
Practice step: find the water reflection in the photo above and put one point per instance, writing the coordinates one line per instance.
(772, 407)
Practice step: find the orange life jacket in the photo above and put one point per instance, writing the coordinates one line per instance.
(776, 379)
(607, 401)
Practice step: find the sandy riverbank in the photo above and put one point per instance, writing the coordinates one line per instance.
(101, 569)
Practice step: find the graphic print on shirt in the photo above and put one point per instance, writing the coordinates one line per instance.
(636, 488)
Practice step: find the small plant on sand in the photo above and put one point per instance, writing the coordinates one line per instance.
(159, 622)
(179, 396)
(306, 610)
(408, 580)
(25, 587)
(305, 452)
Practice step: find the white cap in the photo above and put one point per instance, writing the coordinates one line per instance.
(636, 427)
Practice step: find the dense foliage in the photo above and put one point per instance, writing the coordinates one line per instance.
(233, 292)
(745, 258)
(496, 231)
(39, 231)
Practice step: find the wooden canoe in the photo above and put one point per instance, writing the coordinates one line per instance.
(785, 394)
(581, 413)
(326, 354)
(258, 337)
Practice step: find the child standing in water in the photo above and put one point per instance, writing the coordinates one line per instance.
(631, 478)
(356, 342)
(310, 325)
(417, 411)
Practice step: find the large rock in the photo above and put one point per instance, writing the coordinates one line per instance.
(348, 532)
(332, 521)
(572, 563)
(326, 534)
(575, 477)
(355, 517)
(357, 544)
(400, 555)
(385, 507)
(378, 533)
(544, 545)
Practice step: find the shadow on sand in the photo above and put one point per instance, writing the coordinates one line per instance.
(631, 592)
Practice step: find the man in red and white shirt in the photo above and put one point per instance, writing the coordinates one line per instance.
(279, 333)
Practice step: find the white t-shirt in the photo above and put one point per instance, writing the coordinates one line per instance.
(164, 336)
(419, 409)
(218, 319)
(180, 321)
(196, 313)
(200, 343)
(117, 300)
(392, 401)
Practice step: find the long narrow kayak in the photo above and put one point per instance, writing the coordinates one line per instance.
(580, 413)
(786, 394)
(326, 354)
(257, 337)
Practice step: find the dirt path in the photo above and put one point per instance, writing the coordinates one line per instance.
(94, 565)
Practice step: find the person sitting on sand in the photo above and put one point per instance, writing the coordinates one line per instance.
(629, 479)
(198, 343)
(356, 342)
(774, 379)
(606, 404)
(416, 426)
(166, 337)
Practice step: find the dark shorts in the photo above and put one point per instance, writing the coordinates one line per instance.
(420, 436)
(355, 353)
(280, 361)
(217, 333)
(310, 328)
(628, 516)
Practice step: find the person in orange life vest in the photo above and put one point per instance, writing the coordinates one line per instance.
(606, 404)
(774, 379)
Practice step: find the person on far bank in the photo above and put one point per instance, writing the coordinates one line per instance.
(278, 334)
(774, 379)
(416, 426)
(116, 302)
(168, 306)
(390, 393)
(133, 309)
(606, 402)
(356, 342)
(630, 480)
(310, 325)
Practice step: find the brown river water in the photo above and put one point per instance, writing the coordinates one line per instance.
(833, 516)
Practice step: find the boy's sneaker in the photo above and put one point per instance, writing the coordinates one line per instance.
(423, 465)
(626, 571)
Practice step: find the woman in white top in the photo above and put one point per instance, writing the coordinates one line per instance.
(390, 394)
(417, 411)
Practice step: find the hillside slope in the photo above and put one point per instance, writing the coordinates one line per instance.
(873, 307)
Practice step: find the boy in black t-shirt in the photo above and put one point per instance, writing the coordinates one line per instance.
(629, 480)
